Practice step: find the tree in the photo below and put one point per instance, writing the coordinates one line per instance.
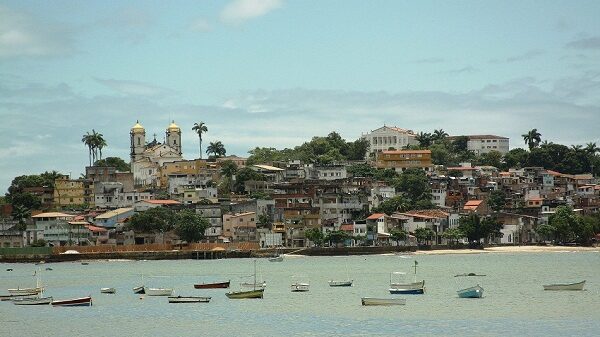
(191, 226)
(243, 175)
(315, 235)
(20, 213)
(424, 138)
(99, 142)
(391, 205)
(88, 140)
(476, 228)
(439, 135)
(413, 185)
(496, 200)
(115, 162)
(39, 243)
(545, 231)
(515, 158)
(592, 148)
(453, 235)
(532, 138)
(200, 128)
(337, 237)
(154, 220)
(424, 234)
(228, 168)
(398, 235)
(216, 148)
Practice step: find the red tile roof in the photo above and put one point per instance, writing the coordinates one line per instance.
(347, 227)
(162, 202)
(375, 216)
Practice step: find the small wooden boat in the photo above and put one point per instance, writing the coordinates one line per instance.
(188, 299)
(32, 300)
(9, 269)
(84, 263)
(25, 291)
(276, 258)
(75, 302)
(216, 285)
(108, 290)
(255, 293)
(158, 291)
(299, 287)
(469, 274)
(341, 283)
(472, 292)
(382, 301)
(13, 297)
(567, 286)
(139, 290)
(412, 288)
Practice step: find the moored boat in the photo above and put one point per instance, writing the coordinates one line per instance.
(25, 291)
(411, 288)
(216, 285)
(189, 299)
(13, 297)
(262, 284)
(278, 258)
(565, 286)
(32, 300)
(75, 302)
(108, 290)
(472, 292)
(139, 290)
(341, 283)
(382, 301)
(158, 291)
(300, 287)
(255, 293)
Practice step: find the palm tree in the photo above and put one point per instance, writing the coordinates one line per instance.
(424, 139)
(88, 140)
(592, 148)
(217, 148)
(99, 142)
(532, 138)
(20, 213)
(439, 135)
(200, 128)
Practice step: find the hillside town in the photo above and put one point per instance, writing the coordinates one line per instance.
(390, 187)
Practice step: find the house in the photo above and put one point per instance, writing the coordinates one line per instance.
(73, 192)
(213, 214)
(145, 205)
(240, 226)
(465, 170)
(110, 219)
(434, 219)
(476, 206)
(98, 235)
(240, 162)
(485, 143)
(10, 237)
(378, 228)
(193, 194)
(56, 228)
(387, 137)
(400, 160)
(272, 173)
(326, 172)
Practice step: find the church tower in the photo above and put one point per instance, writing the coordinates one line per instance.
(174, 137)
(138, 141)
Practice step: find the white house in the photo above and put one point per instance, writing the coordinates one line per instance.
(486, 143)
(387, 137)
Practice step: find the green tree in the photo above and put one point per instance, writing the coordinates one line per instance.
(20, 213)
(200, 128)
(476, 228)
(154, 220)
(337, 237)
(391, 205)
(532, 138)
(39, 243)
(439, 135)
(190, 226)
(398, 235)
(315, 235)
(115, 162)
(545, 231)
(424, 235)
(453, 235)
(497, 200)
(243, 175)
(515, 158)
(413, 185)
(217, 149)
(425, 139)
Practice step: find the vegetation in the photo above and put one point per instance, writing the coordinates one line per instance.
(424, 235)
(398, 235)
(475, 228)
(453, 235)
(319, 150)
(532, 138)
(115, 162)
(315, 235)
(496, 200)
(217, 149)
(228, 170)
(243, 175)
(337, 237)
(200, 128)
(39, 243)
(188, 225)
(567, 226)
(191, 226)
(95, 142)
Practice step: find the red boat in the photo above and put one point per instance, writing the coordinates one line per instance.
(75, 302)
(212, 285)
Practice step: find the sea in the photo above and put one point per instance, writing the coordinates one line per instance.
(514, 302)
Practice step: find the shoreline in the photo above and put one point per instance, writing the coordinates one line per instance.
(511, 250)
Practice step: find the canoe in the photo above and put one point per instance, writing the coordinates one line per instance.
(414, 288)
(158, 291)
(472, 292)
(299, 287)
(567, 286)
(256, 293)
(382, 301)
(25, 291)
(32, 301)
(75, 302)
(108, 290)
(216, 285)
(188, 299)
(139, 290)
(341, 283)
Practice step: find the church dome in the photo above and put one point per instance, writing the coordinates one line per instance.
(173, 127)
(137, 127)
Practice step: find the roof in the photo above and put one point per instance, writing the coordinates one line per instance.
(427, 214)
(115, 212)
(347, 227)
(406, 151)
(137, 126)
(375, 216)
(162, 202)
(78, 223)
(96, 229)
(52, 215)
(173, 126)
(472, 204)
(268, 167)
(240, 214)
(485, 137)
(461, 168)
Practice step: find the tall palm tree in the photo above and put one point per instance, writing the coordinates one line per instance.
(439, 135)
(217, 148)
(532, 138)
(99, 143)
(424, 139)
(20, 213)
(592, 148)
(200, 128)
(88, 140)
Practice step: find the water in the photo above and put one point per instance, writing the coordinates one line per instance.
(514, 302)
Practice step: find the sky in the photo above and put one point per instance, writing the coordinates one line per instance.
(278, 72)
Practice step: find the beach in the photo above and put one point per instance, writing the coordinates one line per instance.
(511, 249)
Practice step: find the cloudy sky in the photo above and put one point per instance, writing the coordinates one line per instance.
(277, 72)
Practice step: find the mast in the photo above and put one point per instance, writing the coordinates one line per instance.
(415, 276)
(254, 274)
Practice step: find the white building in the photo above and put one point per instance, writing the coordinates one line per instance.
(486, 143)
(112, 195)
(328, 172)
(387, 137)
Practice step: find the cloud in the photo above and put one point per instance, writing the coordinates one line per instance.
(239, 11)
(463, 70)
(585, 43)
(130, 23)
(22, 35)
(529, 55)
(134, 88)
(200, 25)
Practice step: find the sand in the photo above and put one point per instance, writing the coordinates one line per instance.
(511, 249)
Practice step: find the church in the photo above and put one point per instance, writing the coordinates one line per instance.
(148, 158)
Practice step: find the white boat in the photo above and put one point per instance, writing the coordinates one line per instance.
(259, 285)
(406, 287)
(158, 291)
(108, 290)
(299, 284)
(278, 258)
(566, 286)
(341, 283)
(383, 301)
(188, 299)
(139, 289)
(33, 301)
(25, 291)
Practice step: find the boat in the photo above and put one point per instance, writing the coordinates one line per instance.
(412, 288)
(469, 274)
(32, 300)
(382, 301)
(566, 286)
(84, 263)
(13, 297)
(25, 291)
(216, 285)
(278, 258)
(158, 291)
(262, 284)
(341, 283)
(472, 292)
(188, 299)
(74, 302)
(299, 285)
(139, 289)
(246, 294)
(108, 290)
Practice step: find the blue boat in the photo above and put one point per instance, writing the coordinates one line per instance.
(473, 292)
